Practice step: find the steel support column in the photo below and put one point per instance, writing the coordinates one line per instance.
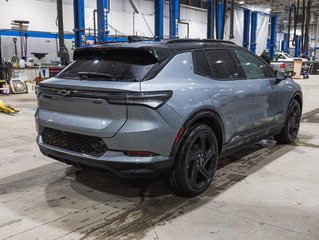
(273, 37)
(231, 19)
(316, 36)
(220, 19)
(173, 18)
(159, 19)
(253, 33)
(210, 19)
(246, 28)
(102, 21)
(305, 47)
(298, 46)
(79, 22)
(284, 44)
(63, 51)
(287, 41)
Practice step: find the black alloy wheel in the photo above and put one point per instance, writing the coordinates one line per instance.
(201, 159)
(195, 162)
(290, 131)
(294, 120)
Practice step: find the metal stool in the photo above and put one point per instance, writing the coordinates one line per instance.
(5, 90)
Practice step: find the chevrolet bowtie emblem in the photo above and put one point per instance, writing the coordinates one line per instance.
(64, 92)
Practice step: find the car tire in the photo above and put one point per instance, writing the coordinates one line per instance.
(195, 162)
(290, 131)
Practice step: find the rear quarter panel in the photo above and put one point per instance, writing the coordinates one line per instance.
(190, 93)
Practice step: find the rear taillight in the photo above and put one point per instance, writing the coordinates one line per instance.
(149, 99)
(139, 154)
(152, 99)
(282, 65)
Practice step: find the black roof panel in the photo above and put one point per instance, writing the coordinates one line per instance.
(159, 49)
(188, 44)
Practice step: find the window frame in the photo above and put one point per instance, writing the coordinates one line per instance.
(194, 63)
(258, 59)
(237, 65)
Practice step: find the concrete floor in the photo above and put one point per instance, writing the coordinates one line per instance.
(263, 192)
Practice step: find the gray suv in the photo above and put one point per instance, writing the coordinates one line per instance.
(169, 108)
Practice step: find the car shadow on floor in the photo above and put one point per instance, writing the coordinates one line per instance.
(152, 202)
(98, 205)
(154, 186)
(103, 181)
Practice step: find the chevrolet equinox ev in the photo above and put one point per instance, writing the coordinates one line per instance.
(170, 108)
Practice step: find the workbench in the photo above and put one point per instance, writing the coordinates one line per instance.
(29, 73)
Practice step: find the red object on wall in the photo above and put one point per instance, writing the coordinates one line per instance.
(53, 71)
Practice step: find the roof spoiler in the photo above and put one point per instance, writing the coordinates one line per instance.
(158, 55)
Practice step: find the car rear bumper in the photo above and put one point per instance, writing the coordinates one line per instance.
(145, 131)
(113, 161)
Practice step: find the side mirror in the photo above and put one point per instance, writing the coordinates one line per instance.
(280, 75)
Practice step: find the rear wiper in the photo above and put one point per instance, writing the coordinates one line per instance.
(86, 75)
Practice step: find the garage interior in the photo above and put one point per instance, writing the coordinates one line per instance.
(265, 191)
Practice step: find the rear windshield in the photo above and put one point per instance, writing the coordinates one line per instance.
(126, 66)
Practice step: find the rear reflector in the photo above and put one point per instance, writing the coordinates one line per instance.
(179, 135)
(282, 65)
(139, 154)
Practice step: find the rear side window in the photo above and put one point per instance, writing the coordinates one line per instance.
(223, 65)
(253, 67)
(126, 66)
(201, 66)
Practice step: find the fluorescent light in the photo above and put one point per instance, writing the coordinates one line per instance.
(241, 2)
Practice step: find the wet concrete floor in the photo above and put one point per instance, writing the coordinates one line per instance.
(266, 191)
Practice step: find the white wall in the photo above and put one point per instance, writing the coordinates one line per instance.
(122, 21)
(121, 18)
(40, 13)
(42, 17)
